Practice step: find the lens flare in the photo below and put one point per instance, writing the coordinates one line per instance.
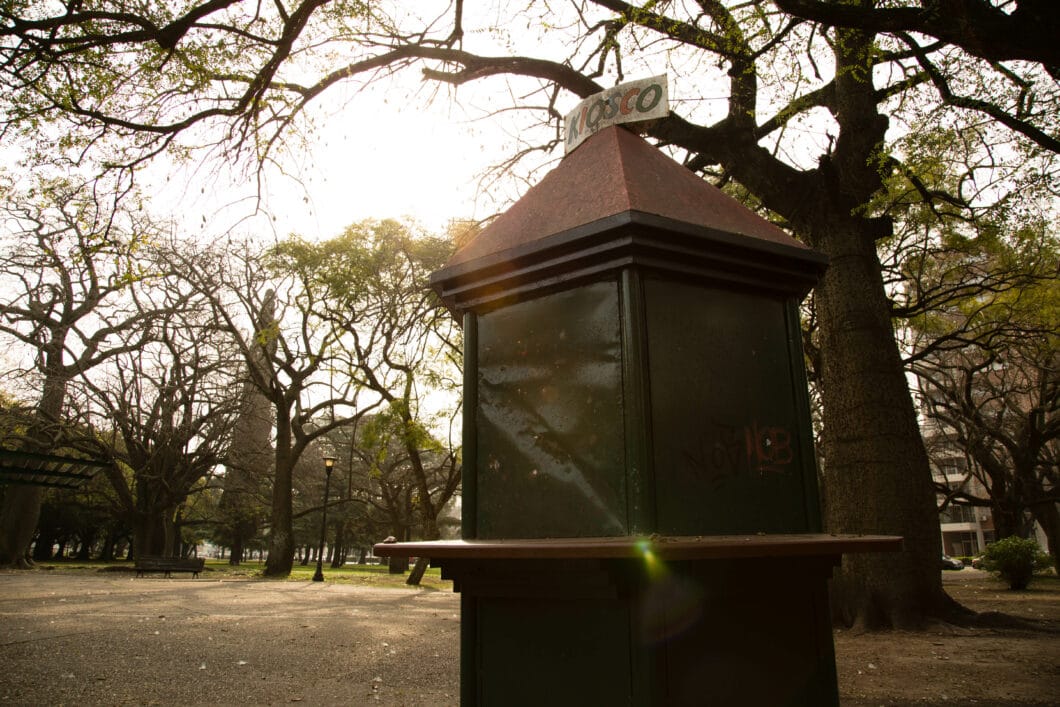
(654, 566)
(671, 603)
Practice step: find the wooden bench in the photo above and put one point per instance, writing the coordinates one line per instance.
(169, 564)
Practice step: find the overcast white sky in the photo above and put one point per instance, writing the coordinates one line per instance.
(368, 160)
(385, 151)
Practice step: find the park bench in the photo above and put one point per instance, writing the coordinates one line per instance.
(169, 564)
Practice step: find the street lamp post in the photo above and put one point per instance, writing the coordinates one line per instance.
(329, 464)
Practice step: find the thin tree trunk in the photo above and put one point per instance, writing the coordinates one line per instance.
(418, 570)
(422, 563)
(398, 565)
(42, 548)
(106, 553)
(87, 541)
(1049, 518)
(338, 556)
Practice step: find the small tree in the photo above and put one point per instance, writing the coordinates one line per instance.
(1015, 560)
(295, 361)
(987, 356)
(400, 343)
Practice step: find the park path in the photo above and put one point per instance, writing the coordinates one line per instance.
(112, 639)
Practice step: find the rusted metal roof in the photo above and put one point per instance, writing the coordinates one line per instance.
(33, 469)
(617, 172)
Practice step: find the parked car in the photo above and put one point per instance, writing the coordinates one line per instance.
(949, 563)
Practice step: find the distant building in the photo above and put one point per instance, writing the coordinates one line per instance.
(965, 529)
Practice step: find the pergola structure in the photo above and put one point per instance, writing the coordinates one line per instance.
(53, 470)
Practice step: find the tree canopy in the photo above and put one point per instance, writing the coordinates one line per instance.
(988, 363)
(171, 359)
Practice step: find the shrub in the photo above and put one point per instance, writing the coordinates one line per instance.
(1015, 560)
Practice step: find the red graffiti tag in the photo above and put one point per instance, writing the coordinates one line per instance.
(726, 451)
(768, 448)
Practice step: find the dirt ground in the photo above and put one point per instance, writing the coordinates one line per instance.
(950, 665)
(104, 639)
(107, 639)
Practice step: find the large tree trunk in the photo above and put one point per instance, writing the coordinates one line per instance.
(236, 556)
(22, 504)
(250, 454)
(877, 474)
(1009, 518)
(46, 537)
(18, 521)
(281, 535)
(149, 535)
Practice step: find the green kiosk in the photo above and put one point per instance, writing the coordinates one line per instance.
(640, 509)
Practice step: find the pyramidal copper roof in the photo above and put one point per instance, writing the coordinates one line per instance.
(617, 172)
(613, 204)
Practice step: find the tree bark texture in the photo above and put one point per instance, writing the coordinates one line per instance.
(338, 555)
(418, 570)
(22, 504)
(148, 536)
(430, 532)
(250, 458)
(1048, 517)
(281, 534)
(46, 538)
(876, 468)
(18, 521)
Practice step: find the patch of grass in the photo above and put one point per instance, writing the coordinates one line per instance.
(364, 575)
(368, 575)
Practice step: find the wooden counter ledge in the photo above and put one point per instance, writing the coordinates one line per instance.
(705, 547)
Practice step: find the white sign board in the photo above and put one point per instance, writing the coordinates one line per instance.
(632, 102)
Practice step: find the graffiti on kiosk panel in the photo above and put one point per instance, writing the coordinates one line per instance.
(726, 451)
